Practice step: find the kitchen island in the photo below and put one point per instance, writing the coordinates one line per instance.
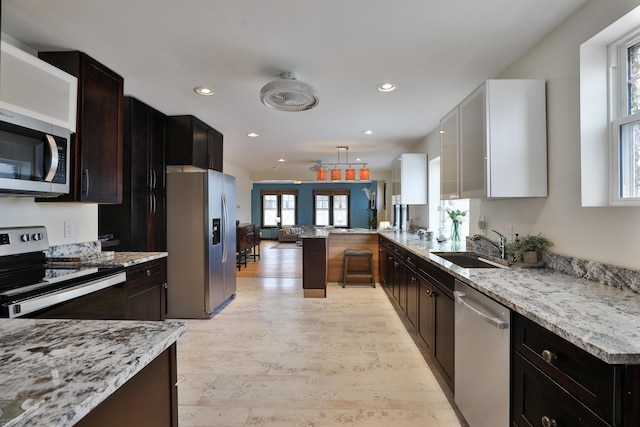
(323, 256)
(84, 372)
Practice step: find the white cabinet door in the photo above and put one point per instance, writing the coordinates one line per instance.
(409, 175)
(473, 145)
(449, 171)
(503, 140)
(34, 88)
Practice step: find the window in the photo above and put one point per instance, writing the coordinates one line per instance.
(609, 93)
(331, 207)
(624, 88)
(279, 207)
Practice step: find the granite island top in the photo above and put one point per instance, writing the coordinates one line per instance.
(108, 259)
(600, 319)
(54, 372)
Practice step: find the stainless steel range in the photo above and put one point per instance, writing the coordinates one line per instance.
(29, 287)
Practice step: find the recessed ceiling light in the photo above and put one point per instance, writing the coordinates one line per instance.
(203, 91)
(386, 87)
(252, 135)
(367, 132)
(281, 160)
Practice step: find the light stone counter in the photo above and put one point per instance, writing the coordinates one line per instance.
(54, 372)
(603, 320)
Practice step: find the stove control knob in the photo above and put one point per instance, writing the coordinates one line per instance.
(37, 237)
(25, 238)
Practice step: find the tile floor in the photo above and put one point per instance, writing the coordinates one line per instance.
(274, 358)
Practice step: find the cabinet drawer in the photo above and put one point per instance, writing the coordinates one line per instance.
(150, 271)
(536, 397)
(588, 379)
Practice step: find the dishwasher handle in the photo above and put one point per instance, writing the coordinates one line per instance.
(494, 321)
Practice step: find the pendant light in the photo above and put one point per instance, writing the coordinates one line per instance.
(350, 174)
(336, 173)
(321, 174)
(364, 173)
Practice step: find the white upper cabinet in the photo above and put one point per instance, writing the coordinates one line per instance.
(409, 179)
(34, 88)
(502, 135)
(449, 144)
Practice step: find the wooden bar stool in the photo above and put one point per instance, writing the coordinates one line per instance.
(363, 275)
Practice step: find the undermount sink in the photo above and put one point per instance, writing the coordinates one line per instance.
(468, 260)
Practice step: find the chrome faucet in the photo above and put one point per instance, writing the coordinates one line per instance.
(500, 245)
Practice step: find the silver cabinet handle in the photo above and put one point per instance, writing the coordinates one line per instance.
(494, 321)
(52, 167)
(548, 422)
(549, 356)
(155, 178)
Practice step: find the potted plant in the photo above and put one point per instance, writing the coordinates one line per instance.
(528, 248)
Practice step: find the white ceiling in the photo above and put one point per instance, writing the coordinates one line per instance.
(435, 51)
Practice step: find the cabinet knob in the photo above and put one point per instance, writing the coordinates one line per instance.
(147, 272)
(548, 356)
(165, 285)
(549, 422)
(413, 280)
(431, 293)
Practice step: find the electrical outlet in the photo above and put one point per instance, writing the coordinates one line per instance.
(510, 233)
(69, 229)
(482, 223)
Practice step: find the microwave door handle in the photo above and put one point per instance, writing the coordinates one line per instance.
(52, 167)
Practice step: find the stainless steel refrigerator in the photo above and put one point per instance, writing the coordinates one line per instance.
(201, 241)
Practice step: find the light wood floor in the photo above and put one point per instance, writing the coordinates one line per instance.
(286, 261)
(274, 358)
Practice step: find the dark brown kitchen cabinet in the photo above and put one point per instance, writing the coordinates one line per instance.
(96, 146)
(424, 295)
(191, 142)
(554, 380)
(139, 222)
(147, 290)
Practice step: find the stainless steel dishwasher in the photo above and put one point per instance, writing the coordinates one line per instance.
(482, 346)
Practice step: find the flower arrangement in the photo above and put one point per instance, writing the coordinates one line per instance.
(457, 216)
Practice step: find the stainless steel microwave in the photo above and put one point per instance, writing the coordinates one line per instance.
(34, 156)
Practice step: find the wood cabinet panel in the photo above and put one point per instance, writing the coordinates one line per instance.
(150, 398)
(588, 379)
(314, 264)
(96, 162)
(536, 396)
(337, 243)
(147, 290)
(190, 141)
(139, 223)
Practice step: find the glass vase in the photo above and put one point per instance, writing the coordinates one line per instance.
(455, 231)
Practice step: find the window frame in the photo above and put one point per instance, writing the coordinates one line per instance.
(331, 193)
(278, 194)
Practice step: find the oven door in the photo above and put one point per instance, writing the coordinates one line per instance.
(101, 299)
(33, 156)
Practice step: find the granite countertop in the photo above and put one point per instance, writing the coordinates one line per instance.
(54, 372)
(600, 319)
(109, 259)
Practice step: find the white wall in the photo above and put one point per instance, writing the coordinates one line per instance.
(243, 191)
(24, 211)
(605, 234)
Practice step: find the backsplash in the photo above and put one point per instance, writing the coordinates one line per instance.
(610, 275)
